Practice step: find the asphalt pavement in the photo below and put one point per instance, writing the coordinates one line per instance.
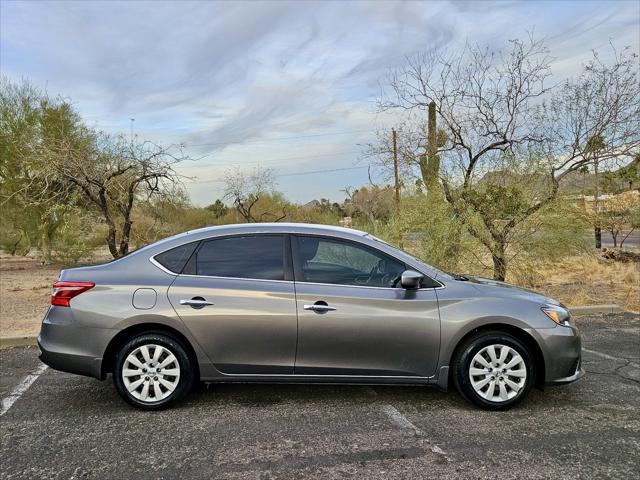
(64, 426)
(631, 240)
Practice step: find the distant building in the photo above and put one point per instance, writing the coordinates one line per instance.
(588, 202)
(575, 183)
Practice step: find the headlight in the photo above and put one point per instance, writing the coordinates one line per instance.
(558, 314)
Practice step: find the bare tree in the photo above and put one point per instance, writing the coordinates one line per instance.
(492, 106)
(247, 189)
(113, 172)
(376, 203)
(412, 145)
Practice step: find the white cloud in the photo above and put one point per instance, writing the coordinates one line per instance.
(240, 73)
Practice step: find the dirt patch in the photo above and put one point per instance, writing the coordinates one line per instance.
(25, 291)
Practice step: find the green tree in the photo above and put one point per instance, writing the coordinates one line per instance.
(218, 208)
(34, 199)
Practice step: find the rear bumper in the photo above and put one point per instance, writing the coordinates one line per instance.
(65, 362)
(69, 347)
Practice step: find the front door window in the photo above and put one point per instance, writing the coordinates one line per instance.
(324, 260)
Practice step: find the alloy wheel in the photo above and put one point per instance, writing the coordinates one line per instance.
(151, 373)
(497, 373)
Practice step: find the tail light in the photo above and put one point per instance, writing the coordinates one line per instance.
(63, 292)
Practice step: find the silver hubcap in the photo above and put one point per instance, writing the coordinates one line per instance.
(151, 373)
(497, 373)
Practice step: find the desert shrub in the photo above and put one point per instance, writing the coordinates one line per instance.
(13, 241)
(19, 229)
(158, 220)
(75, 238)
(432, 233)
(325, 214)
(546, 238)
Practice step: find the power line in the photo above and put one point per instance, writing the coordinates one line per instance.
(320, 171)
(310, 172)
(253, 142)
(253, 162)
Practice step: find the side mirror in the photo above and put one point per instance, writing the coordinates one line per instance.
(411, 279)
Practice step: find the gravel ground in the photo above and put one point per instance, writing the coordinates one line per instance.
(66, 426)
(25, 293)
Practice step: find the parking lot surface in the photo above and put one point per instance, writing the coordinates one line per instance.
(65, 426)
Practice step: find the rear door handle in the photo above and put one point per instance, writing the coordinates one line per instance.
(196, 302)
(320, 308)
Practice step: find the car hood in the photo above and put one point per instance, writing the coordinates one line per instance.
(506, 290)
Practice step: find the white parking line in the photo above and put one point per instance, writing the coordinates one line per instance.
(610, 357)
(397, 418)
(403, 422)
(18, 391)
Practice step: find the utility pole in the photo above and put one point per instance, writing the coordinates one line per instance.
(132, 120)
(394, 134)
(597, 230)
(431, 168)
(593, 147)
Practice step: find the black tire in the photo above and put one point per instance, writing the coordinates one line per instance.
(185, 380)
(466, 353)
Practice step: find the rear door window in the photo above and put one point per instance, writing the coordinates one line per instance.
(259, 257)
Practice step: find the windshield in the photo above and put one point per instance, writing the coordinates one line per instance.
(417, 260)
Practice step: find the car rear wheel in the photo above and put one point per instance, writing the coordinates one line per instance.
(494, 370)
(152, 371)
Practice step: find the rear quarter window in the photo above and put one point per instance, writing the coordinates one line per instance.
(175, 259)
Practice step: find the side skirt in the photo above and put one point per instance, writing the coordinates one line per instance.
(322, 379)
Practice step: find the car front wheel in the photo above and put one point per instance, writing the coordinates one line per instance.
(152, 371)
(494, 370)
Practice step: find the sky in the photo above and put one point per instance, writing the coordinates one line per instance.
(285, 85)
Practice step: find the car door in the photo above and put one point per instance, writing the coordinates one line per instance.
(354, 319)
(236, 295)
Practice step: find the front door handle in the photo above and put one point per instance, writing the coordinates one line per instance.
(196, 302)
(320, 307)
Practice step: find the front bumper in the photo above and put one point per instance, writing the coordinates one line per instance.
(579, 373)
(562, 349)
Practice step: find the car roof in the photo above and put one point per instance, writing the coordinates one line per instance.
(278, 227)
(248, 228)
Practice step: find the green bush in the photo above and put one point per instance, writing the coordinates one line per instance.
(72, 242)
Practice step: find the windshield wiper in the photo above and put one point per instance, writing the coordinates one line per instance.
(457, 276)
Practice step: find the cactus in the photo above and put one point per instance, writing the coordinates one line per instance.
(430, 162)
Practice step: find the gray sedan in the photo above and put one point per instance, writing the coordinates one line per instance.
(301, 303)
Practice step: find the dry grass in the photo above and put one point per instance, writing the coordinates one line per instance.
(589, 279)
